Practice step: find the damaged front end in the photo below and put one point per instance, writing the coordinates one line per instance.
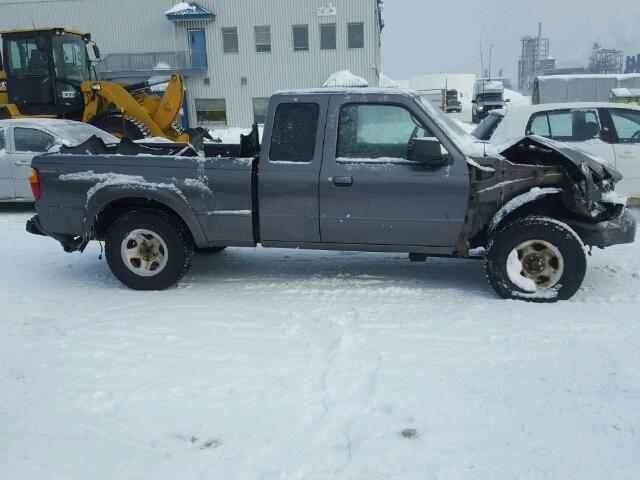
(538, 176)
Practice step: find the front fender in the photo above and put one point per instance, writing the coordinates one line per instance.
(519, 201)
(101, 196)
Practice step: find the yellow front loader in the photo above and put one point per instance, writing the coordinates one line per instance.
(47, 73)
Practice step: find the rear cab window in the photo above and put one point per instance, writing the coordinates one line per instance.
(295, 127)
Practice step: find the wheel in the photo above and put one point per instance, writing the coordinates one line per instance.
(536, 259)
(209, 250)
(148, 250)
(121, 125)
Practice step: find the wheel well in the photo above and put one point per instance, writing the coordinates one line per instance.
(547, 206)
(114, 210)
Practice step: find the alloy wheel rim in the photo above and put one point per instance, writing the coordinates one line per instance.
(144, 252)
(535, 265)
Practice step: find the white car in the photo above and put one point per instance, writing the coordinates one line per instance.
(24, 138)
(609, 131)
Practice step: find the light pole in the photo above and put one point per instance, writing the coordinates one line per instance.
(490, 51)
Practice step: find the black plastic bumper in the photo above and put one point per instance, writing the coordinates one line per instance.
(605, 234)
(69, 242)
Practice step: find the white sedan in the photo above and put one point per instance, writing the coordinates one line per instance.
(24, 138)
(609, 131)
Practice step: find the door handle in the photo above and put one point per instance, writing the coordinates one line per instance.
(343, 181)
(22, 163)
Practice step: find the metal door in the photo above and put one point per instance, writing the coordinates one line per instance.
(198, 48)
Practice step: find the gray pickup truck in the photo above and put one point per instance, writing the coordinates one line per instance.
(362, 170)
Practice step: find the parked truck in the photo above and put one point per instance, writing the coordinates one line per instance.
(450, 101)
(362, 170)
(487, 95)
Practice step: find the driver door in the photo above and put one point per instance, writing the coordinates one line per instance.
(371, 194)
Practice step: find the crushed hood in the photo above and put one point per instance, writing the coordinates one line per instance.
(574, 157)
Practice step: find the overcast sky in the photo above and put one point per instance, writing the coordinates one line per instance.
(437, 36)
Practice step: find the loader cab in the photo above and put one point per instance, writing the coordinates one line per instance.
(44, 71)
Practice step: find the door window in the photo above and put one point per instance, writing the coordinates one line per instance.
(32, 140)
(566, 125)
(539, 125)
(377, 131)
(627, 123)
(2, 139)
(294, 132)
(25, 58)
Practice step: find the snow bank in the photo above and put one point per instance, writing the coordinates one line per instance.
(345, 79)
(516, 98)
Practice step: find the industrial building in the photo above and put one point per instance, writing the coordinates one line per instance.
(534, 59)
(232, 54)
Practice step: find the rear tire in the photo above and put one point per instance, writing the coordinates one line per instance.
(148, 250)
(536, 259)
(121, 126)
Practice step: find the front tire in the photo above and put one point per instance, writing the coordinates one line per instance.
(148, 250)
(536, 259)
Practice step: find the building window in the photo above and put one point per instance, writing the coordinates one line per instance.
(328, 36)
(300, 38)
(230, 40)
(211, 112)
(356, 35)
(260, 110)
(263, 39)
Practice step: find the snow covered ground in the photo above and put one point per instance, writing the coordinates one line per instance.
(290, 365)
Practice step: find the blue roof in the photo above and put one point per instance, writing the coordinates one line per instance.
(189, 11)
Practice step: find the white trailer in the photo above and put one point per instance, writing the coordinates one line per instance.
(580, 88)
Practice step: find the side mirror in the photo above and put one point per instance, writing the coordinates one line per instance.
(96, 51)
(427, 151)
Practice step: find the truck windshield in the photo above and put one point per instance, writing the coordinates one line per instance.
(70, 55)
(490, 97)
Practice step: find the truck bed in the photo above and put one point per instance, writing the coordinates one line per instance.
(215, 193)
